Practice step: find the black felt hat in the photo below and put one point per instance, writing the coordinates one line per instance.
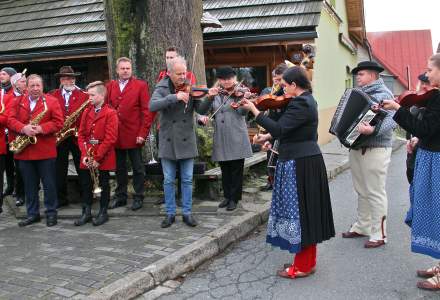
(225, 72)
(367, 65)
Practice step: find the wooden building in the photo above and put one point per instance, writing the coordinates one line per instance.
(255, 37)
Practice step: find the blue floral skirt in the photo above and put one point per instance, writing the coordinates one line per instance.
(424, 214)
(301, 213)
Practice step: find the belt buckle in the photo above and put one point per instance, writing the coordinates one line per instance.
(93, 142)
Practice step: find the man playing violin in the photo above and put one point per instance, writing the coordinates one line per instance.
(231, 141)
(177, 138)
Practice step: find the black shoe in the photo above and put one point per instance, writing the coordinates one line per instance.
(117, 203)
(19, 201)
(189, 220)
(224, 203)
(232, 205)
(86, 217)
(168, 221)
(29, 221)
(267, 187)
(159, 201)
(9, 190)
(100, 219)
(51, 221)
(137, 204)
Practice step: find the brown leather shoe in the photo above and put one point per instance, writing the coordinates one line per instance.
(352, 234)
(374, 244)
(432, 284)
(429, 272)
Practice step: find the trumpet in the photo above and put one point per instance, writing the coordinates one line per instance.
(150, 144)
(94, 173)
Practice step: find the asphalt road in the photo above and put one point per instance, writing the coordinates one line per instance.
(345, 269)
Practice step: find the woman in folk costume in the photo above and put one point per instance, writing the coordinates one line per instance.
(424, 214)
(301, 214)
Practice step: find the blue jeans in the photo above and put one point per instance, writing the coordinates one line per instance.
(33, 171)
(169, 189)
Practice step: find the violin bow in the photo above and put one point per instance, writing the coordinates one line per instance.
(191, 71)
(226, 100)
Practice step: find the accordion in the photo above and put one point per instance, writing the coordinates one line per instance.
(353, 109)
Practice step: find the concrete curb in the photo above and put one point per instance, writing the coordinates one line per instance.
(191, 256)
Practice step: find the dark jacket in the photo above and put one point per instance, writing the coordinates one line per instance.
(426, 129)
(297, 128)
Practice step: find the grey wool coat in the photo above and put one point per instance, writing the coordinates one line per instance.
(177, 137)
(231, 140)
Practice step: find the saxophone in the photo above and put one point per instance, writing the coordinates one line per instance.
(22, 141)
(67, 131)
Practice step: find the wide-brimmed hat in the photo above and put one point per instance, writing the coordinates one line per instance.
(67, 71)
(225, 72)
(367, 65)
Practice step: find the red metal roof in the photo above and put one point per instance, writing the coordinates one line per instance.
(395, 50)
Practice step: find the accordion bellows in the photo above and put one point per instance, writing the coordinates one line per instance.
(353, 109)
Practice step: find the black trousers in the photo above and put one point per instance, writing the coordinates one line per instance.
(135, 156)
(9, 167)
(35, 171)
(2, 170)
(87, 187)
(13, 174)
(232, 178)
(62, 166)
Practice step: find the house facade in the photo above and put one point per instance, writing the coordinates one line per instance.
(256, 36)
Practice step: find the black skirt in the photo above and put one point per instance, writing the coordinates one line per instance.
(315, 208)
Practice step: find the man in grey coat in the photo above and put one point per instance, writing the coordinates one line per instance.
(177, 139)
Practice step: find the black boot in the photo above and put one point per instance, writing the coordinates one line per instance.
(102, 216)
(232, 205)
(86, 216)
(1, 204)
(224, 203)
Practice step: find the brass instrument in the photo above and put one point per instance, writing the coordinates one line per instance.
(22, 141)
(94, 173)
(67, 131)
(2, 101)
(150, 143)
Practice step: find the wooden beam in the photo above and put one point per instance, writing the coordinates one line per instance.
(265, 44)
(19, 61)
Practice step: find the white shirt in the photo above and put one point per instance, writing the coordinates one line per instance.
(66, 96)
(122, 84)
(32, 103)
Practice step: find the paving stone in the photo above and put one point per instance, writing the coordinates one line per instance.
(22, 270)
(63, 292)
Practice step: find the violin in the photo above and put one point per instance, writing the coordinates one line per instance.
(418, 98)
(195, 91)
(268, 101)
(237, 91)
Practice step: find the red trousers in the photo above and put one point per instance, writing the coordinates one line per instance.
(305, 260)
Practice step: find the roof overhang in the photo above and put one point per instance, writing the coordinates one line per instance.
(53, 54)
(356, 20)
(258, 37)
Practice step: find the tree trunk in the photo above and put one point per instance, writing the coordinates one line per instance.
(143, 29)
